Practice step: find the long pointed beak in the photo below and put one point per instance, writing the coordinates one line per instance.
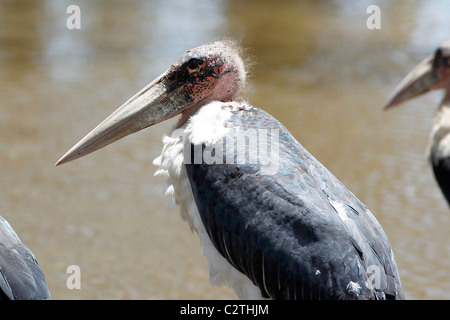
(417, 82)
(156, 102)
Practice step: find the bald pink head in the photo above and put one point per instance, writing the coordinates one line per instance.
(211, 72)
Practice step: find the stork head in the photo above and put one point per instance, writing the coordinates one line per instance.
(212, 72)
(431, 74)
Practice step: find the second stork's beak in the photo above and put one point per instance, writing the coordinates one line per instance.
(158, 101)
(420, 80)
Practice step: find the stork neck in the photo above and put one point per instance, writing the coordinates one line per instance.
(442, 118)
(446, 100)
(185, 115)
(440, 132)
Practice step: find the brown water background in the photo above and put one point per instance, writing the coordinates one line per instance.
(318, 69)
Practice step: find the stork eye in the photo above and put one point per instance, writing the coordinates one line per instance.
(216, 71)
(193, 65)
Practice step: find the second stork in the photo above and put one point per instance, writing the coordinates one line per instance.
(431, 74)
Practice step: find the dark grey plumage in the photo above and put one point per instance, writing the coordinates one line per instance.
(21, 278)
(284, 231)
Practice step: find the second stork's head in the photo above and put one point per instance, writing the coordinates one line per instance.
(211, 72)
(431, 74)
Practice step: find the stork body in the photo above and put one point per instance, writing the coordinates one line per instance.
(282, 228)
(21, 278)
(297, 233)
(433, 73)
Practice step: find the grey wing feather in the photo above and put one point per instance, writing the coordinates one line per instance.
(21, 278)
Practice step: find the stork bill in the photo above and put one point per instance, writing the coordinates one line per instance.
(272, 220)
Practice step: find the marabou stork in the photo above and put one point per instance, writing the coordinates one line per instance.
(21, 278)
(282, 228)
(431, 74)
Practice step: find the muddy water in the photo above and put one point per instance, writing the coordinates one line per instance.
(318, 69)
